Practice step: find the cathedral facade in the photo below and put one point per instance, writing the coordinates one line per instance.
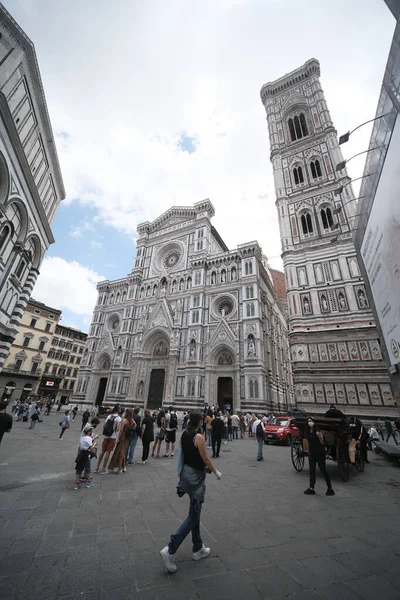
(335, 348)
(193, 324)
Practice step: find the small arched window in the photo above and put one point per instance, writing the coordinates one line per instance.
(306, 223)
(297, 127)
(250, 309)
(248, 268)
(326, 218)
(249, 292)
(253, 385)
(4, 235)
(315, 169)
(155, 289)
(298, 175)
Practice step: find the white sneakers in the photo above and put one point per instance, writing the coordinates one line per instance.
(202, 553)
(169, 560)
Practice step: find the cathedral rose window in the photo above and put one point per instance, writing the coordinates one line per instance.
(225, 308)
(171, 259)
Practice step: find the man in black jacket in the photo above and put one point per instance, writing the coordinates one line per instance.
(218, 429)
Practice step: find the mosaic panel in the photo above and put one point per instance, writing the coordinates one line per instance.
(364, 351)
(353, 348)
(323, 354)
(343, 352)
(319, 393)
(374, 394)
(362, 393)
(340, 393)
(351, 393)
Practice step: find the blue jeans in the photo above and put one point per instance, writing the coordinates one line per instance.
(192, 482)
(209, 436)
(260, 442)
(131, 448)
(33, 424)
(235, 432)
(226, 432)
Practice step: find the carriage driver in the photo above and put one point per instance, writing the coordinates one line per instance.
(316, 455)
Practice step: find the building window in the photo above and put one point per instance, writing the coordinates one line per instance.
(250, 309)
(195, 316)
(41, 345)
(20, 270)
(306, 223)
(26, 341)
(4, 235)
(54, 369)
(196, 301)
(297, 127)
(71, 385)
(326, 218)
(34, 367)
(197, 278)
(72, 359)
(200, 245)
(248, 267)
(253, 385)
(47, 328)
(61, 371)
(298, 175)
(191, 387)
(47, 367)
(18, 364)
(33, 323)
(75, 374)
(249, 292)
(315, 169)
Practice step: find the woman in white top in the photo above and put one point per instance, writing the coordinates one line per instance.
(86, 449)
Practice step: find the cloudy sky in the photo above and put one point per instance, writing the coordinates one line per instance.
(155, 103)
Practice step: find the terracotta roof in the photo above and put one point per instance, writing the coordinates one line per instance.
(279, 283)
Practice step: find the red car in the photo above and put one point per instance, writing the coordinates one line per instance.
(282, 430)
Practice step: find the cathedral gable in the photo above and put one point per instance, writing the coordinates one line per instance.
(223, 334)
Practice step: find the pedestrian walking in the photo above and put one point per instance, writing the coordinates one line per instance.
(316, 456)
(242, 426)
(235, 425)
(59, 407)
(34, 419)
(379, 428)
(218, 429)
(170, 429)
(110, 434)
(48, 408)
(259, 435)
(147, 435)
(125, 432)
(85, 418)
(390, 432)
(64, 424)
(160, 433)
(21, 409)
(14, 406)
(6, 420)
(192, 482)
(209, 420)
(74, 412)
(86, 451)
(134, 437)
(230, 429)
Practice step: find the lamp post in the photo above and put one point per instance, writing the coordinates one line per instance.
(340, 189)
(342, 164)
(345, 137)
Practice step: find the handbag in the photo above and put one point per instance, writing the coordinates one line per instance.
(160, 433)
(66, 425)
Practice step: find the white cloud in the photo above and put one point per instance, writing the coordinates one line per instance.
(94, 244)
(198, 68)
(67, 285)
(80, 230)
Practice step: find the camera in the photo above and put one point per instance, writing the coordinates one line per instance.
(180, 491)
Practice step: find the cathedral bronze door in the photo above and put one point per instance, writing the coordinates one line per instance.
(225, 394)
(101, 391)
(156, 389)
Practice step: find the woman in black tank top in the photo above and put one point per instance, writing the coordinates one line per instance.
(191, 482)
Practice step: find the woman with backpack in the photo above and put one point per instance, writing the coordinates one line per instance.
(126, 431)
(64, 424)
(159, 433)
(86, 450)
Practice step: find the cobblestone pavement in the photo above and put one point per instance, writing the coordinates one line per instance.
(268, 540)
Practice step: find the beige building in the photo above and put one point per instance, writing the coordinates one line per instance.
(62, 364)
(31, 186)
(24, 365)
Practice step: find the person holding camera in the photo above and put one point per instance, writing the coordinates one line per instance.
(195, 463)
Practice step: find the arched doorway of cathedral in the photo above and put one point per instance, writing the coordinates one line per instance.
(158, 349)
(104, 366)
(225, 379)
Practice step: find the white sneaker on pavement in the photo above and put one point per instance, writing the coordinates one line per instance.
(169, 560)
(105, 472)
(202, 553)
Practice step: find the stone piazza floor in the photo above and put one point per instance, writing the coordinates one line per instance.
(268, 540)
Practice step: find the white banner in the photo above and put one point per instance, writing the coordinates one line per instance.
(381, 248)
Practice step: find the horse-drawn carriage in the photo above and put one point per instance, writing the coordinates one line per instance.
(339, 445)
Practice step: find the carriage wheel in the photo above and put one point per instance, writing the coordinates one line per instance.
(298, 454)
(343, 460)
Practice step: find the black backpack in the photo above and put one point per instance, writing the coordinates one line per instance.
(130, 431)
(108, 428)
(173, 421)
(260, 431)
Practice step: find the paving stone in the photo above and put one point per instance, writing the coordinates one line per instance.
(83, 540)
(53, 544)
(338, 591)
(118, 575)
(328, 569)
(80, 579)
(230, 586)
(371, 588)
(245, 559)
(17, 563)
(274, 581)
(307, 579)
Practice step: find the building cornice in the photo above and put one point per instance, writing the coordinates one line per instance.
(23, 163)
(188, 212)
(292, 79)
(36, 80)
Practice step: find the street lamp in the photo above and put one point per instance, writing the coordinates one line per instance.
(342, 164)
(337, 210)
(345, 137)
(340, 189)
